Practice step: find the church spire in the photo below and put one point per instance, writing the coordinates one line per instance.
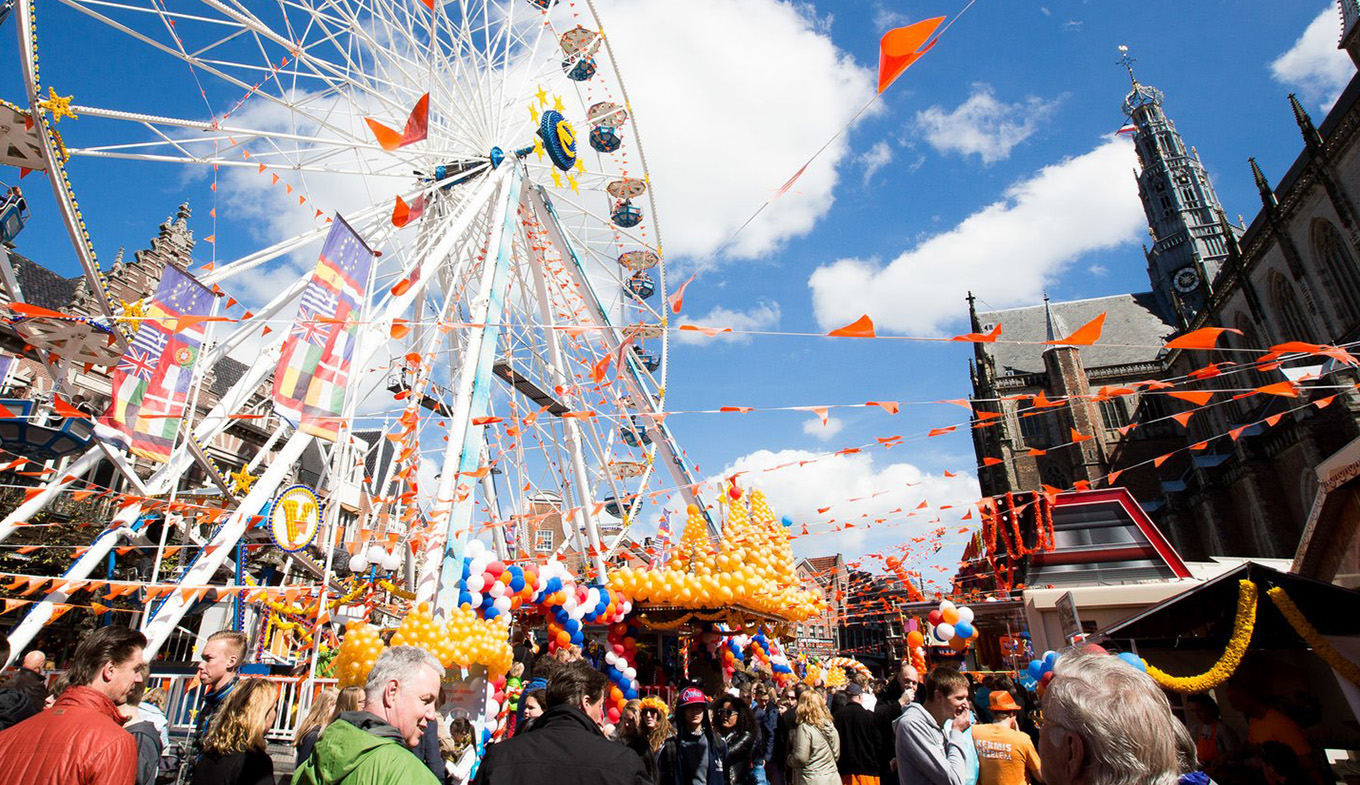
(1054, 328)
(1180, 204)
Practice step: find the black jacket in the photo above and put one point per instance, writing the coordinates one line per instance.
(767, 721)
(639, 744)
(30, 683)
(887, 711)
(148, 750)
(740, 747)
(428, 751)
(669, 762)
(779, 749)
(564, 747)
(252, 767)
(860, 740)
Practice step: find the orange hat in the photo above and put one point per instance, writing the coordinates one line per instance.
(1000, 700)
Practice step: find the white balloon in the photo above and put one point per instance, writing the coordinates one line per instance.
(496, 589)
(475, 597)
(610, 657)
(493, 708)
(630, 673)
(475, 548)
(476, 583)
(944, 631)
(946, 605)
(965, 614)
(502, 604)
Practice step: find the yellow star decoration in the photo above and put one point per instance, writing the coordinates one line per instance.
(133, 313)
(542, 96)
(557, 103)
(242, 481)
(533, 113)
(571, 183)
(538, 148)
(580, 165)
(557, 179)
(59, 106)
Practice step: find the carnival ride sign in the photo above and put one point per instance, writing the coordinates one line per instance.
(294, 518)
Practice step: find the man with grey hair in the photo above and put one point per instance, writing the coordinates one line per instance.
(374, 746)
(1106, 723)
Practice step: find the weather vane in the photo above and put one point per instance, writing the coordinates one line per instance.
(1127, 61)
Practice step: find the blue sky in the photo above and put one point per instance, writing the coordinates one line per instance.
(1004, 128)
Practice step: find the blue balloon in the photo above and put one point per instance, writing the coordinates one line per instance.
(1036, 669)
(517, 584)
(464, 598)
(572, 626)
(491, 612)
(786, 520)
(963, 630)
(1134, 660)
(1050, 657)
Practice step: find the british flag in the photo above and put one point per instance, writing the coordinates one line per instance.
(312, 377)
(151, 382)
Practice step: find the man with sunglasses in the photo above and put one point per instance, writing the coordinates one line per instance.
(900, 693)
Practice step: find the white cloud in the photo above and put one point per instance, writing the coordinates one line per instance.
(982, 125)
(1005, 253)
(1098, 270)
(764, 315)
(875, 158)
(814, 427)
(728, 115)
(1313, 65)
(798, 492)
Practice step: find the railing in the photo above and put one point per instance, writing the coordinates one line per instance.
(295, 699)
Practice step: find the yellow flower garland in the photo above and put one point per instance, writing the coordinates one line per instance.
(1310, 634)
(1243, 626)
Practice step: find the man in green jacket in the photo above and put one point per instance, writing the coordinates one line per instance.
(373, 747)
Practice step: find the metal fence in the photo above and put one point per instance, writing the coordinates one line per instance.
(295, 699)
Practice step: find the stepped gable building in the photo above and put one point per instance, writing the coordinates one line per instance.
(1290, 275)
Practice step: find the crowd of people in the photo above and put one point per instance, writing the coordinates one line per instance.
(1103, 723)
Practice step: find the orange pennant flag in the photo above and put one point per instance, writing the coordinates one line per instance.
(403, 213)
(709, 331)
(1161, 459)
(1183, 418)
(980, 337)
(417, 127)
(1323, 403)
(24, 309)
(1036, 452)
(1285, 389)
(67, 410)
(902, 46)
(863, 327)
(1273, 419)
(1204, 338)
(677, 300)
(891, 407)
(1085, 335)
(990, 461)
(1197, 397)
(940, 431)
(1078, 436)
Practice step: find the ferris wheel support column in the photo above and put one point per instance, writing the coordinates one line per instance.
(441, 564)
(585, 508)
(657, 429)
(78, 468)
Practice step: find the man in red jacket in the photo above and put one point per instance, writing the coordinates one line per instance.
(81, 738)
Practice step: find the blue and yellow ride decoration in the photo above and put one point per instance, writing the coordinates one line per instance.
(578, 48)
(41, 436)
(559, 139)
(605, 119)
(640, 286)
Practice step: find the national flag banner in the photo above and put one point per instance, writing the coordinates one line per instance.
(314, 369)
(151, 381)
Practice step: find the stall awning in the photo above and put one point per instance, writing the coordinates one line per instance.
(1202, 617)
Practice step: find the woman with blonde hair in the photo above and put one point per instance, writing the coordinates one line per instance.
(349, 699)
(323, 708)
(234, 747)
(814, 744)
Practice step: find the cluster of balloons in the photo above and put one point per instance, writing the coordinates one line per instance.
(752, 565)
(953, 625)
(760, 652)
(492, 587)
(620, 665)
(1041, 670)
(464, 640)
(916, 650)
(849, 664)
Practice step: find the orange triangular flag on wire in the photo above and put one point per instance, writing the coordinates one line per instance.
(1204, 338)
(1078, 436)
(1197, 397)
(677, 300)
(1161, 459)
(980, 337)
(863, 327)
(24, 309)
(67, 410)
(1184, 418)
(417, 127)
(902, 46)
(1323, 403)
(1273, 419)
(403, 213)
(1085, 335)
(1285, 389)
(990, 461)
(939, 431)
(891, 407)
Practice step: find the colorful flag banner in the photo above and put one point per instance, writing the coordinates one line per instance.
(151, 382)
(314, 369)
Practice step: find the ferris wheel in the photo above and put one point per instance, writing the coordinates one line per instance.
(509, 325)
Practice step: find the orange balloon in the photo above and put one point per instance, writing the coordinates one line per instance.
(915, 639)
(951, 616)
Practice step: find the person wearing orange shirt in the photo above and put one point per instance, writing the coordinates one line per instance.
(1006, 756)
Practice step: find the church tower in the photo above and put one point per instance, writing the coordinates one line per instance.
(1188, 240)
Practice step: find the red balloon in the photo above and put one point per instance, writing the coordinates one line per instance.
(495, 568)
(935, 617)
(1047, 677)
(614, 714)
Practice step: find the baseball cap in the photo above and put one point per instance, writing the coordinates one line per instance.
(854, 690)
(691, 696)
(1000, 700)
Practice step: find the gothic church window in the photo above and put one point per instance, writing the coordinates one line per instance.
(1114, 414)
(1339, 266)
(1289, 316)
(1033, 427)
